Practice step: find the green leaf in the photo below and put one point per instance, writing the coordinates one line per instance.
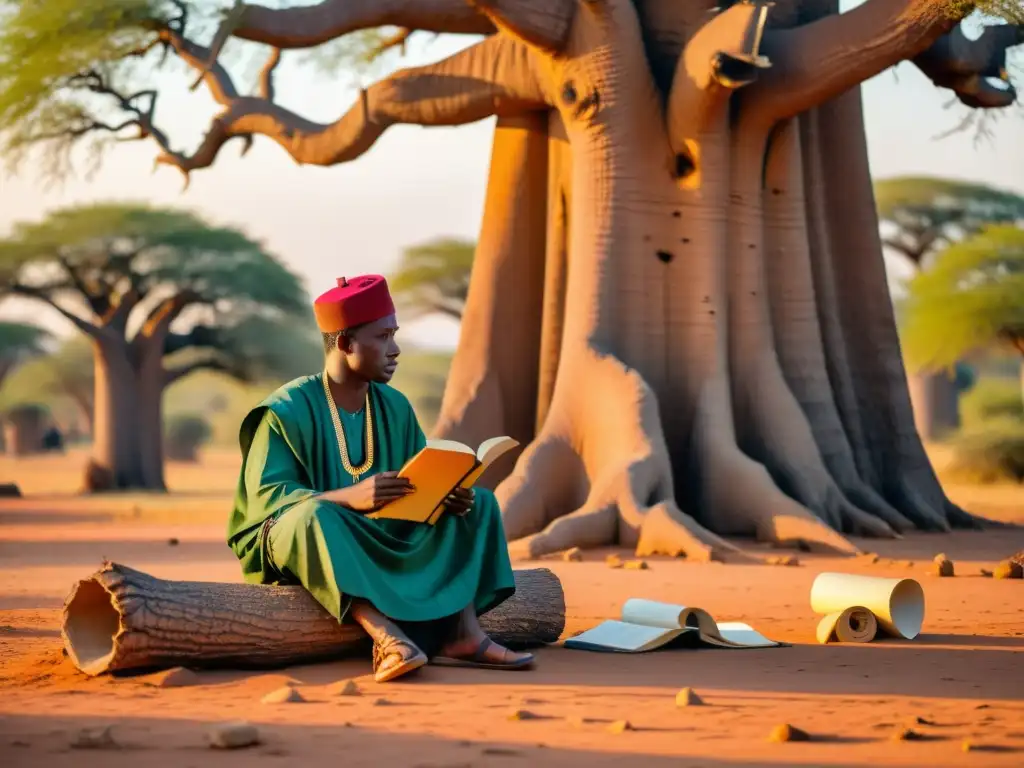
(971, 298)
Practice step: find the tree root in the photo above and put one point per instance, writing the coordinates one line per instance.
(632, 501)
(740, 494)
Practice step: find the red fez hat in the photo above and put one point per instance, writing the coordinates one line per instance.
(353, 302)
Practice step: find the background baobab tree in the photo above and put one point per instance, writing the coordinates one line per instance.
(678, 299)
(921, 218)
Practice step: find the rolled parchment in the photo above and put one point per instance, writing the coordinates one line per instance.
(897, 605)
(854, 625)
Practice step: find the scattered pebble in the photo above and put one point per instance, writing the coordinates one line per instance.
(521, 714)
(173, 541)
(789, 560)
(620, 726)
(942, 568)
(921, 721)
(985, 572)
(94, 738)
(907, 734)
(574, 555)
(233, 735)
(613, 561)
(284, 695)
(344, 688)
(635, 565)
(687, 697)
(382, 702)
(869, 557)
(787, 732)
(177, 677)
(1008, 570)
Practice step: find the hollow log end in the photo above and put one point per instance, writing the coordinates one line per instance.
(92, 626)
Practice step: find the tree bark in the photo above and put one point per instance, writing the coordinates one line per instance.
(935, 402)
(116, 458)
(492, 385)
(879, 382)
(120, 619)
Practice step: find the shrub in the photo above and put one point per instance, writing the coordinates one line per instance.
(990, 453)
(184, 434)
(991, 399)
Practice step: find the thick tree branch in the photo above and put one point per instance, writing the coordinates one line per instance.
(956, 62)
(267, 75)
(544, 24)
(494, 77)
(97, 297)
(198, 336)
(159, 320)
(310, 25)
(80, 323)
(818, 61)
(913, 253)
(213, 363)
(722, 56)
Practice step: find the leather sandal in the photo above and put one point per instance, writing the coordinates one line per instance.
(479, 659)
(390, 662)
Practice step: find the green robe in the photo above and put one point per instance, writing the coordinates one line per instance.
(408, 571)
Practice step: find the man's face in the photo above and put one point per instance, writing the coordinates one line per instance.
(371, 350)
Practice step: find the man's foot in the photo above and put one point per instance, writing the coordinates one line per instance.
(394, 657)
(481, 653)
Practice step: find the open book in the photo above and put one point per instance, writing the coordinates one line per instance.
(647, 625)
(436, 471)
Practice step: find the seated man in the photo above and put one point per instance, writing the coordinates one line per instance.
(322, 451)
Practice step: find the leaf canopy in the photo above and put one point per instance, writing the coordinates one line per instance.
(971, 298)
(18, 340)
(434, 277)
(93, 255)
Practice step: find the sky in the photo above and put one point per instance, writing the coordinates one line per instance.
(419, 183)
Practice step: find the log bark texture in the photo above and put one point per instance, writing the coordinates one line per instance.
(120, 619)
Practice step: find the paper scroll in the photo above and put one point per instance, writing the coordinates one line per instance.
(857, 608)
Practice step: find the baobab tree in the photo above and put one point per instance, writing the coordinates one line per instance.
(158, 294)
(921, 217)
(678, 301)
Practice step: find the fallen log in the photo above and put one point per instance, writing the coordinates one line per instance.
(121, 619)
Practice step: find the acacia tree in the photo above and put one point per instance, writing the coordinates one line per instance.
(970, 299)
(679, 263)
(18, 343)
(129, 277)
(433, 277)
(920, 217)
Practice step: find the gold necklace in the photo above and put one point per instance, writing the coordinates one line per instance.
(339, 432)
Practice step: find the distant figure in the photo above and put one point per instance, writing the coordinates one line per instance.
(321, 452)
(53, 440)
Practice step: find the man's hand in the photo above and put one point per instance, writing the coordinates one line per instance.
(372, 493)
(460, 501)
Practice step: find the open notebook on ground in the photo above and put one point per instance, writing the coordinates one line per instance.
(647, 625)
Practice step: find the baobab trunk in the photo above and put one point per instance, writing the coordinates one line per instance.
(150, 382)
(116, 458)
(935, 400)
(492, 385)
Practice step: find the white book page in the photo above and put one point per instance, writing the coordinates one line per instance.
(738, 633)
(621, 636)
(653, 613)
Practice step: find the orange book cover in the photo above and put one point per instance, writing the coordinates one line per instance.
(436, 471)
